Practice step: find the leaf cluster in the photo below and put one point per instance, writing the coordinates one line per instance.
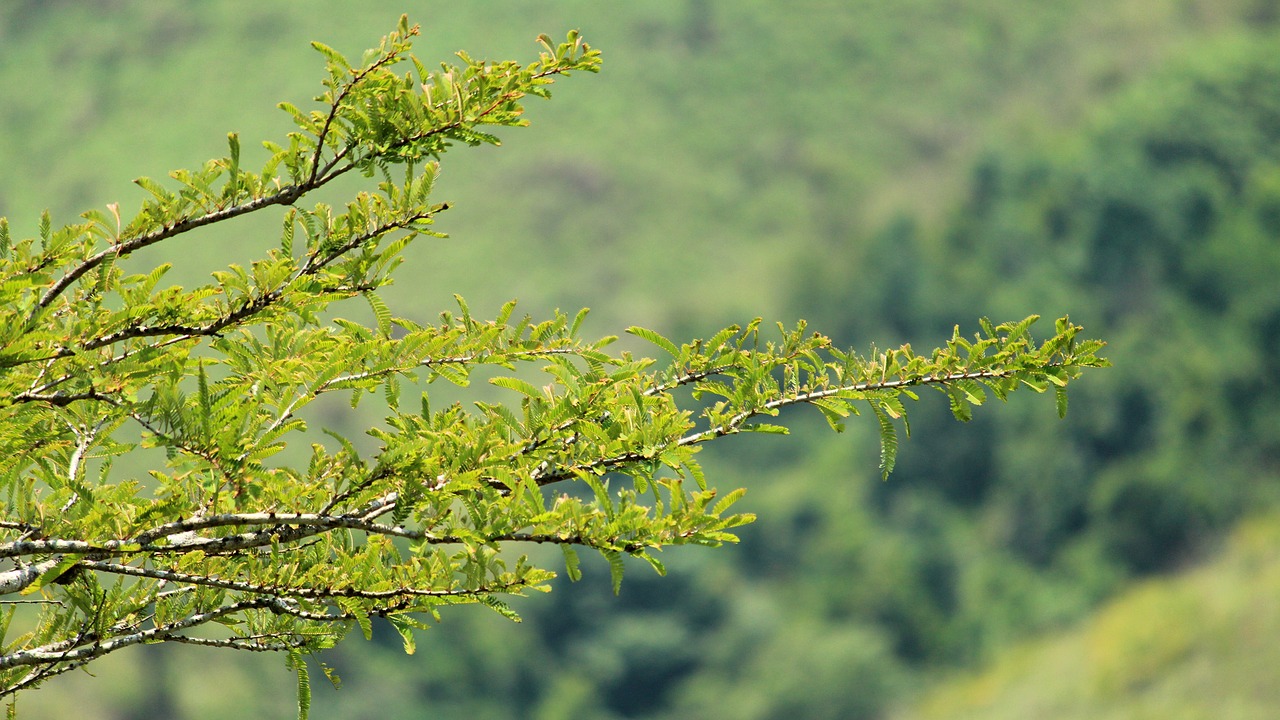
(225, 543)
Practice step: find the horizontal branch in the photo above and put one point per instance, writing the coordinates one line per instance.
(480, 357)
(120, 548)
(94, 647)
(58, 399)
(295, 592)
(349, 521)
(285, 196)
(22, 578)
(685, 379)
(260, 303)
(734, 424)
(251, 643)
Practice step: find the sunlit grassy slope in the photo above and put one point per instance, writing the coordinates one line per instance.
(1204, 643)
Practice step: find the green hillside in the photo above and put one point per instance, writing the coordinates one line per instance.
(1198, 644)
(885, 170)
(754, 134)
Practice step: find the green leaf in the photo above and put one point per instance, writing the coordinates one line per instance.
(518, 385)
(453, 373)
(357, 609)
(1057, 376)
(1035, 383)
(694, 468)
(405, 626)
(6, 617)
(331, 55)
(616, 568)
(154, 188)
(233, 142)
(332, 676)
(1060, 399)
(654, 562)
(727, 501)
(499, 607)
(767, 428)
(1020, 329)
(381, 313)
(572, 566)
(888, 441)
(577, 322)
(961, 409)
(286, 233)
(834, 411)
(391, 391)
(299, 665)
(973, 392)
(656, 339)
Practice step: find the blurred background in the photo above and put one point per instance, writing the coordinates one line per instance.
(885, 170)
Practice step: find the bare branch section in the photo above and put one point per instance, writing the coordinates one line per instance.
(225, 546)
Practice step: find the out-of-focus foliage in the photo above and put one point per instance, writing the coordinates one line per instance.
(1161, 221)
(1198, 645)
